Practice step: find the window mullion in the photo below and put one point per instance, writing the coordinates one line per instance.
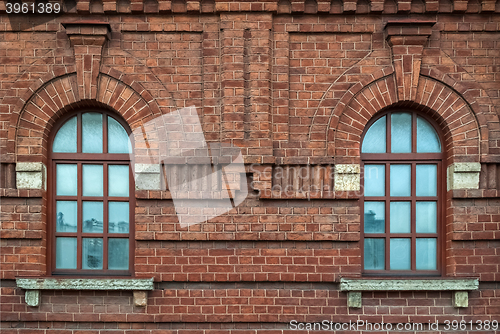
(79, 223)
(105, 219)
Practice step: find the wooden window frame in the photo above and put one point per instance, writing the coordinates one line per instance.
(412, 159)
(105, 159)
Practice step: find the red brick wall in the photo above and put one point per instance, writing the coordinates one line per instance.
(292, 84)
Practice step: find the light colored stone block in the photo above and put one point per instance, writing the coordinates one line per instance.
(32, 297)
(463, 175)
(85, 283)
(458, 286)
(347, 177)
(354, 299)
(460, 299)
(147, 177)
(409, 285)
(139, 286)
(140, 298)
(31, 175)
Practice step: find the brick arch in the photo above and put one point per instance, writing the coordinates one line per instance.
(461, 129)
(481, 104)
(30, 128)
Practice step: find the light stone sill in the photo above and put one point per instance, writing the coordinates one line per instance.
(353, 287)
(34, 285)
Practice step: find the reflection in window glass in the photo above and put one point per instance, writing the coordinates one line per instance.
(427, 138)
(67, 216)
(92, 180)
(66, 253)
(118, 217)
(92, 132)
(65, 140)
(118, 254)
(400, 254)
(374, 217)
(426, 180)
(374, 254)
(118, 141)
(426, 253)
(118, 180)
(374, 180)
(400, 180)
(426, 217)
(92, 253)
(66, 180)
(401, 133)
(92, 217)
(375, 138)
(400, 217)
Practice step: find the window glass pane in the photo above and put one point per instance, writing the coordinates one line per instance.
(92, 180)
(374, 180)
(92, 217)
(92, 132)
(118, 141)
(118, 180)
(400, 132)
(66, 180)
(374, 217)
(92, 253)
(400, 180)
(118, 217)
(426, 217)
(66, 216)
(426, 180)
(118, 254)
(65, 140)
(400, 254)
(400, 217)
(66, 253)
(427, 138)
(375, 138)
(374, 254)
(426, 254)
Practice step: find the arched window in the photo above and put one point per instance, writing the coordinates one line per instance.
(402, 158)
(91, 197)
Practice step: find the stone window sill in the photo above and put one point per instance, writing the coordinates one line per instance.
(459, 286)
(139, 286)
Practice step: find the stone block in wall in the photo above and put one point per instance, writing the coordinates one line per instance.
(347, 177)
(463, 175)
(147, 177)
(31, 175)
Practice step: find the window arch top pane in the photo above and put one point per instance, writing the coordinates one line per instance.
(65, 140)
(118, 141)
(401, 132)
(92, 132)
(375, 138)
(427, 138)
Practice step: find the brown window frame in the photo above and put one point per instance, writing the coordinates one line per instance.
(413, 159)
(80, 159)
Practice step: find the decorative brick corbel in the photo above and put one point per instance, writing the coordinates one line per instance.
(407, 39)
(87, 39)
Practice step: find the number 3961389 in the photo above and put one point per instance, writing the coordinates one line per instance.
(33, 8)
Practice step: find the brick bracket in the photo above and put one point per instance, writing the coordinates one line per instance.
(139, 286)
(459, 286)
